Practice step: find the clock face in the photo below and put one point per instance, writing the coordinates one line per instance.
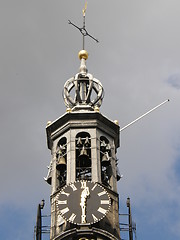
(83, 202)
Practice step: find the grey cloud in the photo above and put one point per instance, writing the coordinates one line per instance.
(174, 80)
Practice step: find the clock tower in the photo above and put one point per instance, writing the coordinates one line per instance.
(83, 170)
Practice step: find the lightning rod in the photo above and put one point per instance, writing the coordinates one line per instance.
(137, 119)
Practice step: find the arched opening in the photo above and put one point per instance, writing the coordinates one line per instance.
(61, 161)
(83, 156)
(105, 157)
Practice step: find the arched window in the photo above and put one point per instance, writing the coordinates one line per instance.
(83, 156)
(61, 160)
(105, 157)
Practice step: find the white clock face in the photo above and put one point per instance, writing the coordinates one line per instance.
(83, 202)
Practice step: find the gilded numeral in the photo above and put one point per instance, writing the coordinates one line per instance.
(72, 217)
(62, 202)
(94, 187)
(104, 202)
(73, 187)
(63, 192)
(65, 210)
(83, 184)
(94, 218)
(102, 210)
(101, 193)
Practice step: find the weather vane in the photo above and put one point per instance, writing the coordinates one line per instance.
(83, 30)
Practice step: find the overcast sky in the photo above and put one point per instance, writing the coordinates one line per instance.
(138, 63)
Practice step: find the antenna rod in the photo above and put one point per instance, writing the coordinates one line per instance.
(137, 119)
(130, 219)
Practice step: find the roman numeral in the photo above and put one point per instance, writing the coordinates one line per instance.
(94, 218)
(65, 210)
(94, 187)
(73, 187)
(72, 217)
(83, 184)
(63, 192)
(102, 210)
(104, 202)
(101, 193)
(62, 202)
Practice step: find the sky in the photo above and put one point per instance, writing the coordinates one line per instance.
(137, 60)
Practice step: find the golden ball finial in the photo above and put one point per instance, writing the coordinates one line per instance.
(96, 109)
(48, 123)
(83, 54)
(68, 110)
(116, 122)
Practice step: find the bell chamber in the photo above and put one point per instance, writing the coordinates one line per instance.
(61, 160)
(83, 156)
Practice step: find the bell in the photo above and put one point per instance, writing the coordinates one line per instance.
(105, 160)
(61, 163)
(103, 145)
(62, 147)
(79, 142)
(83, 159)
(86, 143)
(108, 147)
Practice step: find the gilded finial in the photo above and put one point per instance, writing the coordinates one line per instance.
(83, 54)
(116, 122)
(68, 110)
(96, 109)
(48, 123)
